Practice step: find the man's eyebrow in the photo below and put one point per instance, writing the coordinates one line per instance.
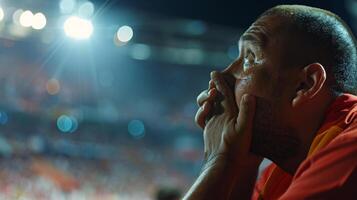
(259, 39)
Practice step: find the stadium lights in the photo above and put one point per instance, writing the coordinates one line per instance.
(36, 21)
(26, 18)
(78, 28)
(86, 10)
(124, 34)
(2, 14)
(67, 6)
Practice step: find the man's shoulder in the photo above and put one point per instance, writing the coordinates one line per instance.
(344, 146)
(347, 139)
(333, 166)
(329, 173)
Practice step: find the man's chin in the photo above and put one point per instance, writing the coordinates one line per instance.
(270, 138)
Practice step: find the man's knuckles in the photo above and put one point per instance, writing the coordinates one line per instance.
(206, 95)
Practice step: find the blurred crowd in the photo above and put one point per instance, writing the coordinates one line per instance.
(92, 166)
(100, 156)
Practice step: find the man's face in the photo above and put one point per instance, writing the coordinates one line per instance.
(257, 71)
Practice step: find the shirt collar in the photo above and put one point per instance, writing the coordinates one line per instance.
(344, 106)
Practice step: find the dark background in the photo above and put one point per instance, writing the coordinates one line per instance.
(225, 12)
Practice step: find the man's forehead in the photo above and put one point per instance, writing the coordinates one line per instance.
(260, 31)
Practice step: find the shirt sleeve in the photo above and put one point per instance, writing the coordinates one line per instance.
(330, 173)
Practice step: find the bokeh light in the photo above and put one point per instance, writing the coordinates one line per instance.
(39, 21)
(67, 6)
(37, 144)
(16, 16)
(64, 123)
(53, 86)
(78, 28)
(140, 51)
(136, 129)
(192, 56)
(2, 14)
(74, 124)
(26, 18)
(196, 27)
(67, 124)
(86, 10)
(125, 33)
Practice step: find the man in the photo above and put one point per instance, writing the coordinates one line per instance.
(289, 98)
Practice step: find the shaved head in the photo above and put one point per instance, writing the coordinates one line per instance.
(312, 35)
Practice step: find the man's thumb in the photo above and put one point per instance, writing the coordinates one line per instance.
(246, 114)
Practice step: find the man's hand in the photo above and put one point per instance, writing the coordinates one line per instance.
(230, 170)
(226, 129)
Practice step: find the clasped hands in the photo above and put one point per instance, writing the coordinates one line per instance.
(227, 127)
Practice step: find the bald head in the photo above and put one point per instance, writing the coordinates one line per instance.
(312, 35)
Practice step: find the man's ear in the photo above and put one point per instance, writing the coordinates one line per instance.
(313, 77)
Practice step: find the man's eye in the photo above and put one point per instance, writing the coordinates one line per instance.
(248, 61)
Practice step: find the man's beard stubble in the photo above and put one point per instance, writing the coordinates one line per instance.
(270, 138)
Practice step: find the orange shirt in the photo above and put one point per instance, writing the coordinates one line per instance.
(330, 172)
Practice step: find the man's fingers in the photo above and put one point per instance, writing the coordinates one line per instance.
(210, 85)
(207, 95)
(223, 88)
(245, 117)
(219, 82)
(202, 114)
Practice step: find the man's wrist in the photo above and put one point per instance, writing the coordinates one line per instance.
(230, 168)
(231, 180)
(229, 163)
(214, 181)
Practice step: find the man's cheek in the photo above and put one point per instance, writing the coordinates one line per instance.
(247, 85)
